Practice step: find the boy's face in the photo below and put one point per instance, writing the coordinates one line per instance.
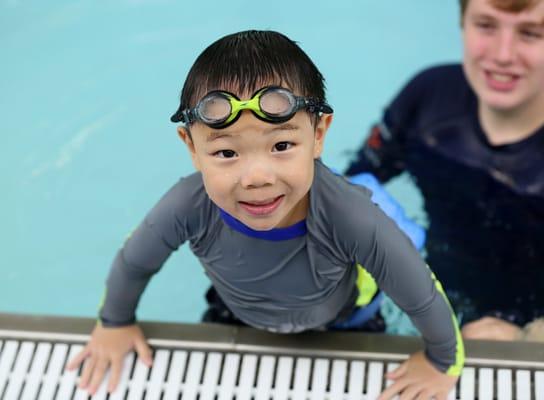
(504, 55)
(259, 172)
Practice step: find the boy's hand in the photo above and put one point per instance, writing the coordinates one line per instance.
(490, 328)
(107, 349)
(418, 379)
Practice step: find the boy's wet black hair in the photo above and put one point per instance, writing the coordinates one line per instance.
(245, 61)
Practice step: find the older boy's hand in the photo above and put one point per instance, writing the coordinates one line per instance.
(107, 349)
(490, 328)
(418, 379)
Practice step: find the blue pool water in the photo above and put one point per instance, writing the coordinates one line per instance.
(87, 148)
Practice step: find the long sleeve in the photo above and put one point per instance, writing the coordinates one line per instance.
(364, 235)
(178, 216)
(402, 274)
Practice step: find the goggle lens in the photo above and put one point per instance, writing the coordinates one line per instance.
(277, 103)
(214, 108)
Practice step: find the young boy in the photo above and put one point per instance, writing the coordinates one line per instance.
(472, 135)
(282, 238)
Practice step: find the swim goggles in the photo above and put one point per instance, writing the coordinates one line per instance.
(274, 104)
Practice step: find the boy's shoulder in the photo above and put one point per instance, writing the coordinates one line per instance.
(188, 188)
(344, 212)
(182, 200)
(335, 197)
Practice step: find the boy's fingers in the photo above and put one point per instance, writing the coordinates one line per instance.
(87, 371)
(441, 396)
(426, 395)
(144, 352)
(116, 367)
(392, 390)
(98, 374)
(397, 372)
(411, 393)
(78, 359)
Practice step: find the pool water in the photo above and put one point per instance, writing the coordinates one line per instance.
(87, 148)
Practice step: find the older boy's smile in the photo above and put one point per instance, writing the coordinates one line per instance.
(501, 81)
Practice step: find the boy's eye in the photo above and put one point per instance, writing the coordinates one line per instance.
(484, 25)
(282, 146)
(225, 154)
(531, 34)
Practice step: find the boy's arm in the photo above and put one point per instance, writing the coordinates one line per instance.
(116, 334)
(177, 217)
(400, 272)
(142, 255)
(375, 242)
(172, 221)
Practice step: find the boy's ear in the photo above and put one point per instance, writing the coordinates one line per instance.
(320, 131)
(183, 133)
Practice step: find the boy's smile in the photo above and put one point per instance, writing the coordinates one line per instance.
(259, 172)
(263, 207)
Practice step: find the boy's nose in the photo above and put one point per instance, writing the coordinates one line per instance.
(504, 48)
(257, 174)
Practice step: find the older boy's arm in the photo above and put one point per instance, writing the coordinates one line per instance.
(381, 154)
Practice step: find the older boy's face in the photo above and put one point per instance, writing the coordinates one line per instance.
(504, 55)
(258, 172)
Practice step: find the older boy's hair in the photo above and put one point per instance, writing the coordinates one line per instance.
(245, 61)
(514, 6)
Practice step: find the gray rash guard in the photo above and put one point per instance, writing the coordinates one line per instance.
(281, 280)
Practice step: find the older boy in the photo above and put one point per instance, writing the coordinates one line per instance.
(277, 232)
(473, 139)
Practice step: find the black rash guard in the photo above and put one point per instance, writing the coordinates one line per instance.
(485, 203)
(288, 279)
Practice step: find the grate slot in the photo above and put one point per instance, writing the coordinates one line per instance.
(284, 374)
(265, 379)
(301, 379)
(228, 377)
(319, 378)
(176, 375)
(214, 362)
(37, 371)
(539, 385)
(7, 359)
(53, 371)
(374, 379)
(247, 379)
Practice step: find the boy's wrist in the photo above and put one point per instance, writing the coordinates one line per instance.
(107, 323)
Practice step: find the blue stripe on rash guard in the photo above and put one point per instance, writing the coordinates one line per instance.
(277, 234)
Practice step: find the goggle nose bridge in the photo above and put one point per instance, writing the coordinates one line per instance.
(237, 106)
